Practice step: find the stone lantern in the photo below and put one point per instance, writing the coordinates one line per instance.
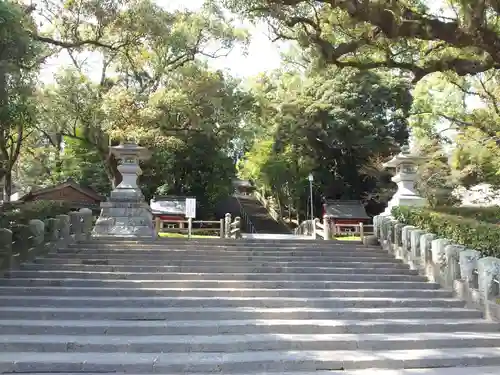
(126, 213)
(405, 164)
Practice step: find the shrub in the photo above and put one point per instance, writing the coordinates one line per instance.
(488, 214)
(475, 234)
(13, 214)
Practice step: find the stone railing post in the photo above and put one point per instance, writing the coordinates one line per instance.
(37, 228)
(451, 271)
(487, 268)
(405, 239)
(51, 230)
(438, 266)
(227, 226)
(398, 239)
(425, 249)
(376, 226)
(237, 225)
(76, 223)
(326, 229)
(468, 263)
(415, 255)
(64, 227)
(221, 228)
(87, 223)
(22, 244)
(6, 248)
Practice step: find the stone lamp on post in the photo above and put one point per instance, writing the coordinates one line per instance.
(126, 214)
(406, 164)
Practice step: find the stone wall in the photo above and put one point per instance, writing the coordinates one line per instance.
(39, 237)
(473, 278)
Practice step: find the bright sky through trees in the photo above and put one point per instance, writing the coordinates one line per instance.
(260, 56)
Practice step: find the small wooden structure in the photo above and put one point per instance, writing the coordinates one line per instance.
(169, 207)
(71, 192)
(243, 187)
(344, 214)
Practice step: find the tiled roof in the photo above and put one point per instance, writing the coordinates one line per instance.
(345, 209)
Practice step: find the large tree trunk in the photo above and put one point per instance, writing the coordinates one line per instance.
(7, 187)
(111, 167)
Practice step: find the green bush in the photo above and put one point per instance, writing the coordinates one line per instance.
(13, 214)
(475, 234)
(488, 214)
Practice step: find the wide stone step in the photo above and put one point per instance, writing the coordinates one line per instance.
(194, 291)
(218, 243)
(226, 301)
(270, 250)
(332, 262)
(246, 362)
(275, 280)
(100, 267)
(269, 254)
(333, 278)
(264, 268)
(158, 276)
(482, 370)
(242, 343)
(227, 313)
(242, 327)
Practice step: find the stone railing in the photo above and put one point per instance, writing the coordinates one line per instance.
(314, 228)
(232, 229)
(268, 205)
(247, 222)
(473, 278)
(40, 237)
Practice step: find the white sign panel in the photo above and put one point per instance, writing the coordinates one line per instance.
(191, 207)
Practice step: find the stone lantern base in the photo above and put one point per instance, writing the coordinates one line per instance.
(125, 214)
(411, 200)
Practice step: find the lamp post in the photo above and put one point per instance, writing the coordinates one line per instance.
(311, 179)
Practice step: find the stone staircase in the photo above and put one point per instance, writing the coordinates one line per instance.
(235, 307)
(260, 217)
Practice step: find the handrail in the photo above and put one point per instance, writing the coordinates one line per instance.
(160, 228)
(232, 229)
(24, 242)
(326, 230)
(250, 228)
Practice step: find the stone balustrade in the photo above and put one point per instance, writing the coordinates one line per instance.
(39, 237)
(473, 278)
(232, 229)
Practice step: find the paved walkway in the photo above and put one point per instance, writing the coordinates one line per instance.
(274, 236)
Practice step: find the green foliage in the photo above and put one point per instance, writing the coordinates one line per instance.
(195, 167)
(416, 36)
(487, 214)
(435, 179)
(475, 234)
(465, 112)
(21, 213)
(19, 61)
(334, 124)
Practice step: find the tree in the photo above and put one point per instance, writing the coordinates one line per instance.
(141, 47)
(18, 62)
(436, 180)
(464, 113)
(462, 36)
(332, 124)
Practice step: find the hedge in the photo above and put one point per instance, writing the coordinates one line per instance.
(488, 214)
(12, 214)
(475, 234)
